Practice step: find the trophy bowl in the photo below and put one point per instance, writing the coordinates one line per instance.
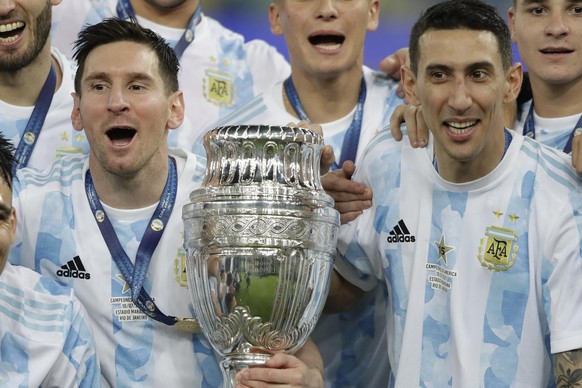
(260, 236)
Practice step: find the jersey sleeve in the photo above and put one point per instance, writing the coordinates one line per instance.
(78, 365)
(561, 276)
(267, 65)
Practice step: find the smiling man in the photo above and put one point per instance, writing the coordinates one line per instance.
(35, 86)
(488, 293)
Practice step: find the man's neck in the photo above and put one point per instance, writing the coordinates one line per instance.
(129, 192)
(175, 17)
(326, 100)
(457, 171)
(22, 87)
(556, 100)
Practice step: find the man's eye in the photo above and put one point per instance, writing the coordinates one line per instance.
(537, 11)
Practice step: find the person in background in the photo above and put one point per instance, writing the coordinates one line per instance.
(548, 35)
(330, 86)
(485, 289)
(45, 338)
(36, 82)
(109, 224)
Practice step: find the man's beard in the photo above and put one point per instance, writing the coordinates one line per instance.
(12, 62)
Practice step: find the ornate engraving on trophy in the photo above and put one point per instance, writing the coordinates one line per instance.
(260, 238)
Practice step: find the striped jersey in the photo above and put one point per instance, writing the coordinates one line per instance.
(58, 236)
(483, 277)
(45, 338)
(381, 99)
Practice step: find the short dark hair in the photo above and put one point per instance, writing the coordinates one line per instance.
(6, 159)
(461, 14)
(113, 30)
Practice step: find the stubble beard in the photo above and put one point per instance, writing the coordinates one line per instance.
(12, 62)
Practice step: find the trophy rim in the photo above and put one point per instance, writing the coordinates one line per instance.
(263, 131)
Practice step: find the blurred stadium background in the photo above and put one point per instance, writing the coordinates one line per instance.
(250, 18)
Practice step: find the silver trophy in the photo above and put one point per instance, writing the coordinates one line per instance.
(260, 236)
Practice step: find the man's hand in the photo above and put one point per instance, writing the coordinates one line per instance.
(327, 157)
(351, 198)
(305, 369)
(415, 125)
(391, 66)
(577, 151)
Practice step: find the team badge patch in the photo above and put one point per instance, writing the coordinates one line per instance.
(219, 88)
(498, 249)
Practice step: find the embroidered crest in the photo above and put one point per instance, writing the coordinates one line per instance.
(498, 249)
(219, 88)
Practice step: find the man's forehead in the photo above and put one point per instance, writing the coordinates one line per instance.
(134, 58)
(121, 51)
(526, 3)
(468, 44)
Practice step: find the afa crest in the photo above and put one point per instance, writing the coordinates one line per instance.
(219, 88)
(498, 249)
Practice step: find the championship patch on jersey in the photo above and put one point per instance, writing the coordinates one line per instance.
(498, 249)
(219, 88)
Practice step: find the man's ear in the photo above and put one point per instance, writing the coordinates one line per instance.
(374, 12)
(409, 84)
(511, 15)
(176, 116)
(514, 79)
(13, 221)
(275, 19)
(76, 113)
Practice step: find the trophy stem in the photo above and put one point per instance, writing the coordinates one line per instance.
(232, 364)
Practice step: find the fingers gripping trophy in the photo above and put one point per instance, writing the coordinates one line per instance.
(260, 236)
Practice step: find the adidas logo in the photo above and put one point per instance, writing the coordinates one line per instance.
(400, 234)
(74, 269)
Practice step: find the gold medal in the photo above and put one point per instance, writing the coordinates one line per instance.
(188, 325)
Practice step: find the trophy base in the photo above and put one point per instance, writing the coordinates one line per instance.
(234, 363)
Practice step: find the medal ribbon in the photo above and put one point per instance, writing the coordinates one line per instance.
(352, 136)
(35, 123)
(125, 11)
(135, 275)
(529, 129)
